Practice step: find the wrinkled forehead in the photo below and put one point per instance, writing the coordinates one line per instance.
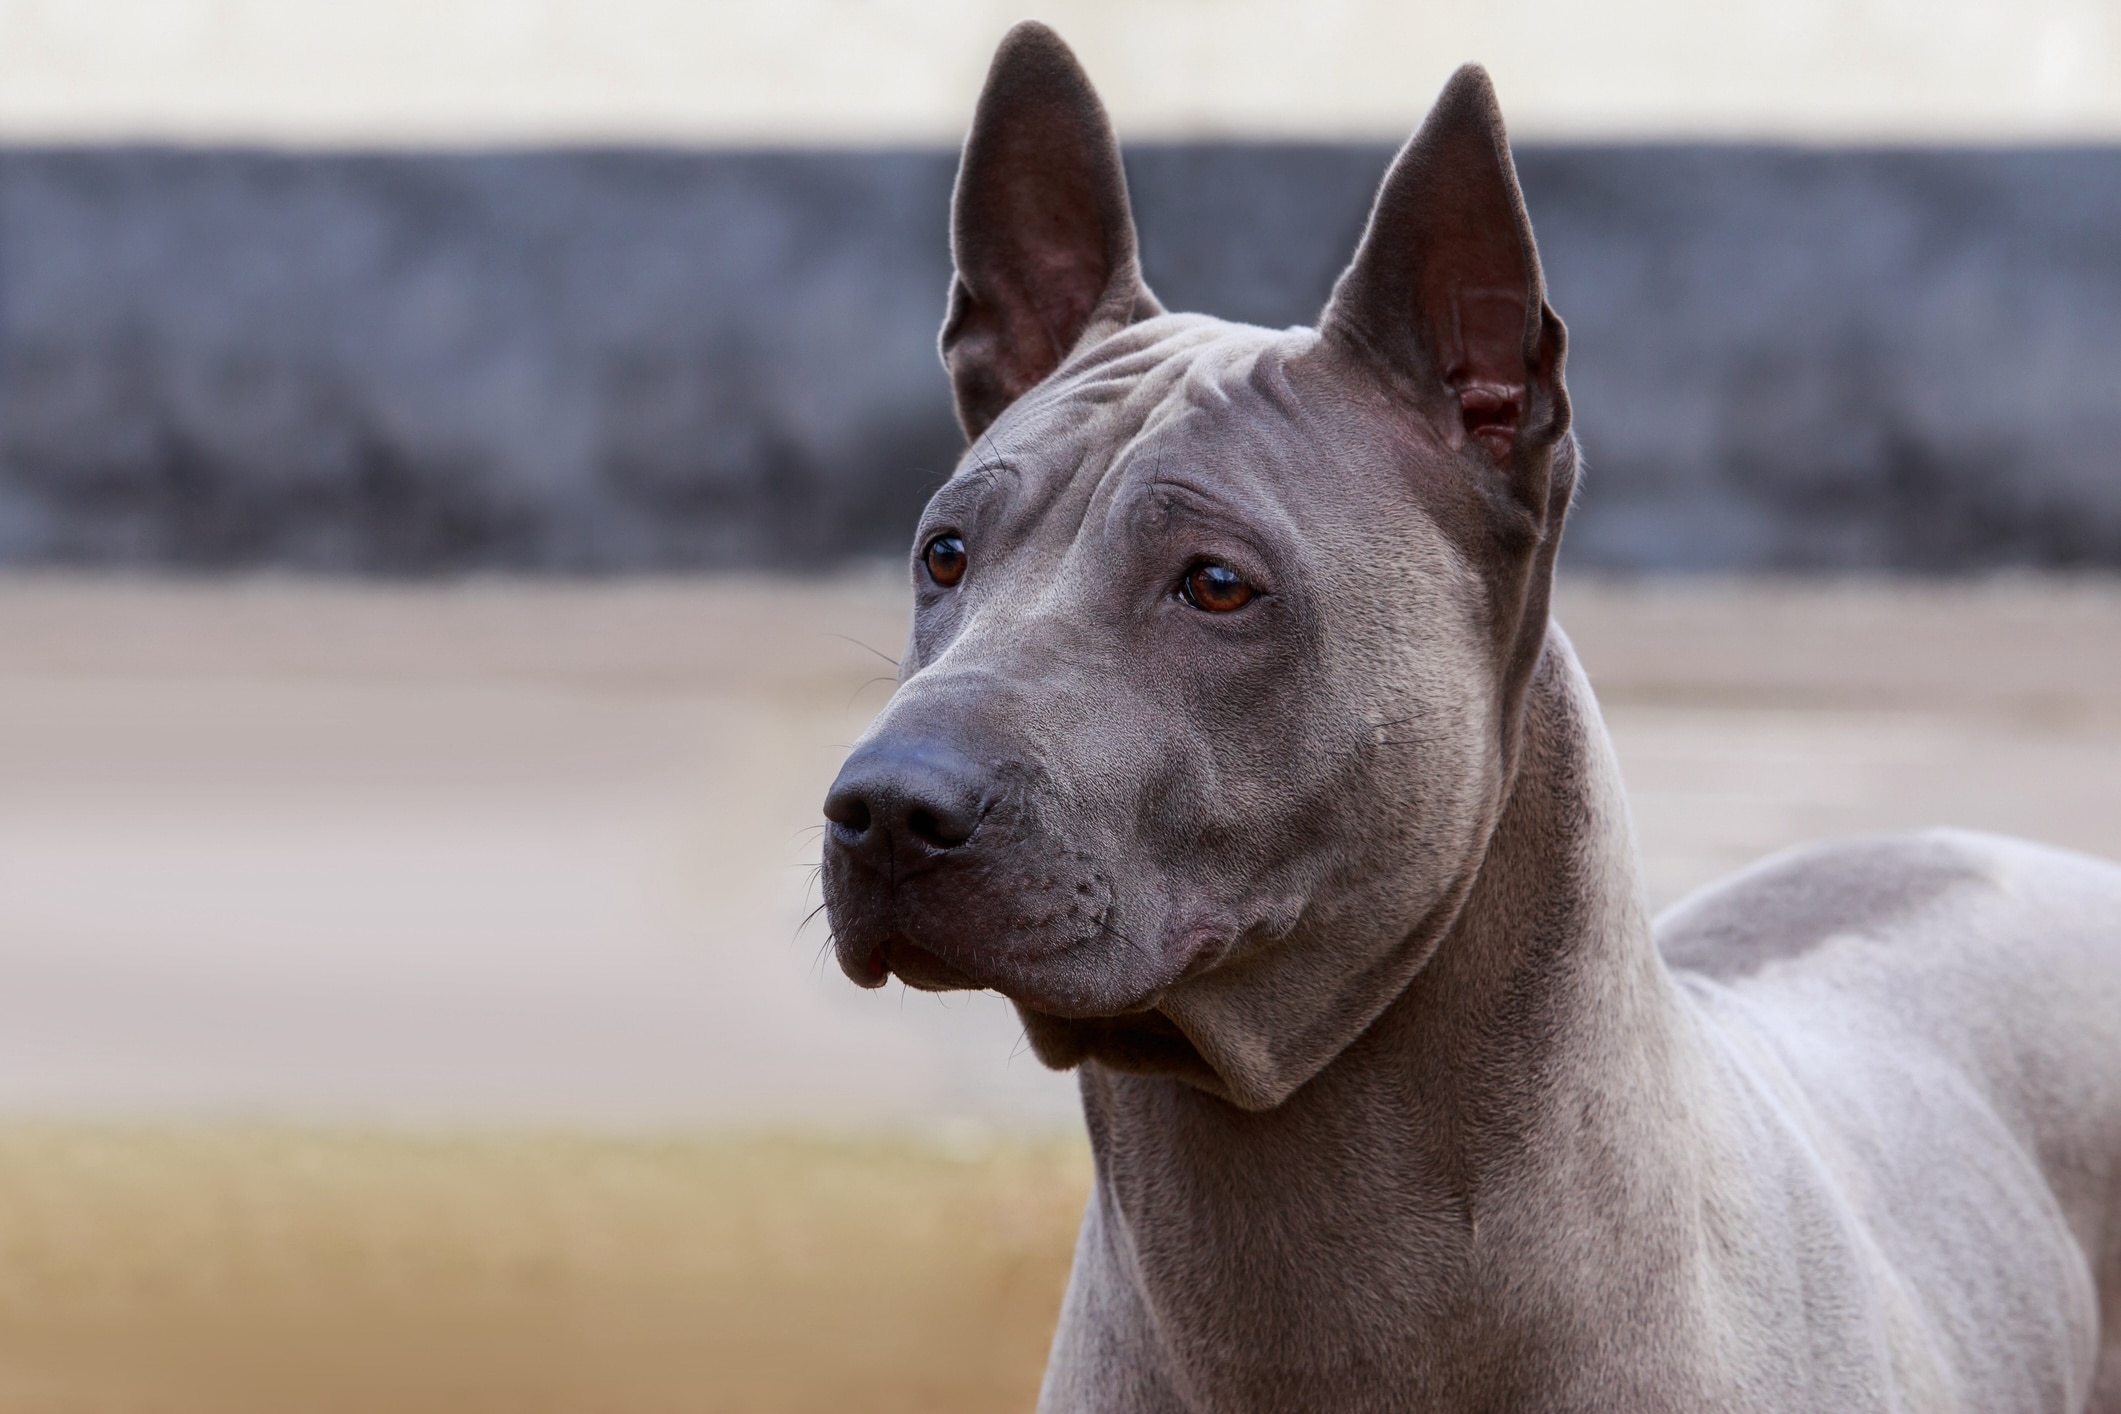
(1179, 399)
(1267, 424)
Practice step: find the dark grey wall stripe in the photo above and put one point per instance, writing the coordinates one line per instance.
(628, 359)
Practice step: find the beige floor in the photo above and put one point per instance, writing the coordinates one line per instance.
(538, 854)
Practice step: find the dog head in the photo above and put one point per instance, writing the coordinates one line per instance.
(1220, 633)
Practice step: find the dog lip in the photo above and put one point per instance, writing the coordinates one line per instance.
(922, 970)
(865, 967)
(1201, 950)
(1027, 979)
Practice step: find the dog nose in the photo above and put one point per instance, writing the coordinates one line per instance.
(904, 800)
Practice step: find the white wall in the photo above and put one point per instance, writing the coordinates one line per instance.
(424, 72)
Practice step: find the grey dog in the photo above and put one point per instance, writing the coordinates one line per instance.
(1235, 745)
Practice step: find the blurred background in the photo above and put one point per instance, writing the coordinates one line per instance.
(456, 460)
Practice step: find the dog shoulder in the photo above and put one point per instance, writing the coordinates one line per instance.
(1789, 903)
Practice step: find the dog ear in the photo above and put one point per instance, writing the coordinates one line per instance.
(1041, 236)
(1445, 289)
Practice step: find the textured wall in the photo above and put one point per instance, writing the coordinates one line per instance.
(603, 360)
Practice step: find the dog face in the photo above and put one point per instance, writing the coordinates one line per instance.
(1208, 704)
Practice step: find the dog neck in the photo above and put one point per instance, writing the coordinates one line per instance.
(1466, 1170)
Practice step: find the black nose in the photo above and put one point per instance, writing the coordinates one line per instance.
(905, 800)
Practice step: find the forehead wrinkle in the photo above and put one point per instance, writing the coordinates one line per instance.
(1129, 390)
(1072, 478)
(1268, 376)
(1133, 350)
(1063, 564)
(981, 469)
(1206, 381)
(1220, 404)
(1040, 478)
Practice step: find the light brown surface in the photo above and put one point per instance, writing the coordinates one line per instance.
(263, 1272)
(539, 854)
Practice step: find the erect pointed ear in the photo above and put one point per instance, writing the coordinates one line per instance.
(1446, 291)
(1040, 232)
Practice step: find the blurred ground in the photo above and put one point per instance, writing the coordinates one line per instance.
(519, 860)
(513, 853)
(1750, 717)
(263, 1272)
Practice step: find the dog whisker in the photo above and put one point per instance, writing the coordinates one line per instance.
(866, 648)
(985, 466)
(872, 682)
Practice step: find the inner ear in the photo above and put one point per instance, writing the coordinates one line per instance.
(1490, 390)
(1041, 235)
(1445, 287)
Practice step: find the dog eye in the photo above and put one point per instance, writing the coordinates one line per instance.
(945, 559)
(1216, 588)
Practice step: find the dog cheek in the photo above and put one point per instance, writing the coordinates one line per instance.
(1429, 816)
(1269, 820)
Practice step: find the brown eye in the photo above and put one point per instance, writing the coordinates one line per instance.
(945, 559)
(1215, 588)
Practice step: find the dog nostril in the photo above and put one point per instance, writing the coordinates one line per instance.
(918, 796)
(934, 831)
(850, 816)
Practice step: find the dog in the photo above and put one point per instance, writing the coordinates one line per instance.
(1235, 745)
